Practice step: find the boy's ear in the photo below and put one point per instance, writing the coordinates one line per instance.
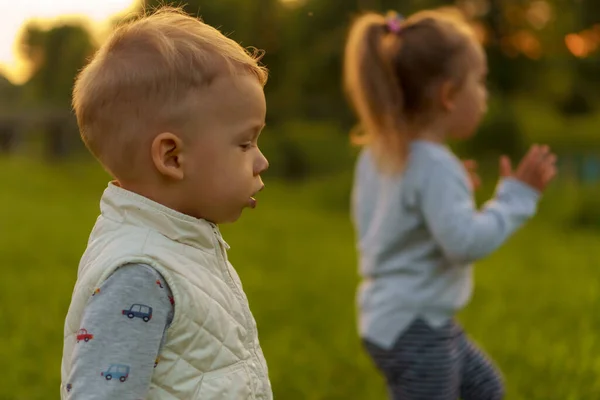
(446, 94)
(167, 155)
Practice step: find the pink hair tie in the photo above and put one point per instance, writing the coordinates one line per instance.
(394, 22)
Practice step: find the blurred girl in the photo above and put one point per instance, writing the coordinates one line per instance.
(415, 83)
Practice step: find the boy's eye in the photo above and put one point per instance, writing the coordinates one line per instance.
(246, 146)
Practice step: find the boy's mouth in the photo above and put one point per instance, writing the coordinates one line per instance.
(252, 199)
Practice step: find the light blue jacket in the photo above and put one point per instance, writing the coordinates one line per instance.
(417, 235)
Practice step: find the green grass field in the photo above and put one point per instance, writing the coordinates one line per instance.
(536, 307)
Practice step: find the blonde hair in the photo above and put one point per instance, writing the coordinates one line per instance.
(389, 74)
(144, 80)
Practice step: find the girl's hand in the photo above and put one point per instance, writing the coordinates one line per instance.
(537, 168)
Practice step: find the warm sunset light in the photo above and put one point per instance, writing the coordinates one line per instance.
(14, 14)
(576, 45)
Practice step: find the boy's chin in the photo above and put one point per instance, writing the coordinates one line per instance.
(235, 215)
(231, 218)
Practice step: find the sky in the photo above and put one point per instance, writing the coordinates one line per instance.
(15, 13)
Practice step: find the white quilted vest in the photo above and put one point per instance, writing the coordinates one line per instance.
(212, 349)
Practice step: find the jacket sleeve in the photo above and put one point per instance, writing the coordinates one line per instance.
(464, 233)
(121, 333)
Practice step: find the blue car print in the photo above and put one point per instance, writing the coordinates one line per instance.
(117, 371)
(139, 311)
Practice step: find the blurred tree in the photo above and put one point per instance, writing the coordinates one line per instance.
(583, 42)
(9, 95)
(304, 41)
(55, 56)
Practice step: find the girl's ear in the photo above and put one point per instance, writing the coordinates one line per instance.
(446, 95)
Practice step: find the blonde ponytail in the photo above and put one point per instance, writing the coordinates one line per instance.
(373, 90)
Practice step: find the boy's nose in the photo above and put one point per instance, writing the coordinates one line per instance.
(261, 165)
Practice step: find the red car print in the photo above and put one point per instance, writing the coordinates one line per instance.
(83, 334)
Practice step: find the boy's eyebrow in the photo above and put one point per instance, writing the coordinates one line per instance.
(255, 130)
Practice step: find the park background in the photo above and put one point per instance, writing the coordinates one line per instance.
(536, 307)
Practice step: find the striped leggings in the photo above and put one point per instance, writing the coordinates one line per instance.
(436, 364)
